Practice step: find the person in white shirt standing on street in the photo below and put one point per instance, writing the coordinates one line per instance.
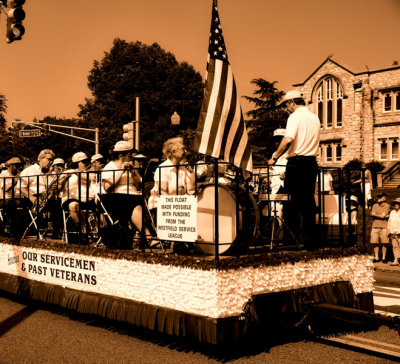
(301, 141)
(394, 230)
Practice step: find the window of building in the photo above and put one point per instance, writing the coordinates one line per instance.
(383, 150)
(329, 153)
(395, 149)
(391, 101)
(387, 102)
(330, 103)
(338, 154)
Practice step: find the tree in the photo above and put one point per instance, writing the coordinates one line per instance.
(265, 118)
(131, 70)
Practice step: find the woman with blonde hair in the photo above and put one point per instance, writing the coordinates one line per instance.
(172, 177)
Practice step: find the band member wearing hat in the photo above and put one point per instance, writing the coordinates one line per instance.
(10, 198)
(394, 230)
(379, 233)
(301, 142)
(98, 162)
(77, 193)
(279, 168)
(8, 185)
(58, 165)
(121, 176)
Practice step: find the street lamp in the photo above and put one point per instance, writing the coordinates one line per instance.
(175, 118)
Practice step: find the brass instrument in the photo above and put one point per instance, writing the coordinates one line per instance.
(42, 200)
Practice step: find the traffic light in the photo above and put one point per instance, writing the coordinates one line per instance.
(15, 15)
(128, 132)
(10, 135)
(45, 131)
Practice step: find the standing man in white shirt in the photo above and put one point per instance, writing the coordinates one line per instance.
(301, 142)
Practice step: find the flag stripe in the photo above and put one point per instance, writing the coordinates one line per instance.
(200, 131)
(217, 117)
(225, 146)
(224, 116)
(232, 133)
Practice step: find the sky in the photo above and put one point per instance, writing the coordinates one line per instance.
(45, 74)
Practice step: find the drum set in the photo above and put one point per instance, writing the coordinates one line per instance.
(245, 220)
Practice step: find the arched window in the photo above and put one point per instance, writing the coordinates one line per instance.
(330, 103)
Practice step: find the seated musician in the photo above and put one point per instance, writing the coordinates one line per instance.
(38, 189)
(172, 173)
(36, 178)
(277, 174)
(279, 169)
(10, 193)
(76, 188)
(97, 164)
(58, 165)
(121, 176)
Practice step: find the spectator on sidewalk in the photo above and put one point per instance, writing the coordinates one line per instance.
(394, 230)
(325, 181)
(379, 233)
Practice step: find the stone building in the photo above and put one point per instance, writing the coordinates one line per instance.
(359, 112)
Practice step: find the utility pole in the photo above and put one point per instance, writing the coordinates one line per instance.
(137, 124)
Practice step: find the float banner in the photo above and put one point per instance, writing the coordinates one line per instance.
(177, 218)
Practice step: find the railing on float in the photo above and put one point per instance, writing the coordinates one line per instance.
(337, 215)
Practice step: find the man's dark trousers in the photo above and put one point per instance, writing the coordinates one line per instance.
(300, 179)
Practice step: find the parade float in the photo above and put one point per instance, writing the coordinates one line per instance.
(188, 296)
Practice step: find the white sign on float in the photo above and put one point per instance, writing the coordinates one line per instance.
(177, 218)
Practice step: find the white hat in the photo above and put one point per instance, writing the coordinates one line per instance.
(290, 95)
(140, 156)
(14, 160)
(78, 157)
(122, 146)
(279, 132)
(58, 161)
(96, 157)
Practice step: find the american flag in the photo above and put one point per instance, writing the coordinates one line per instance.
(221, 130)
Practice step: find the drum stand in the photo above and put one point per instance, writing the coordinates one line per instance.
(277, 231)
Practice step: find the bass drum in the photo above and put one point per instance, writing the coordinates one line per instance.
(228, 235)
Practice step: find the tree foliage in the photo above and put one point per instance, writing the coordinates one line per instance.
(265, 118)
(163, 84)
(3, 131)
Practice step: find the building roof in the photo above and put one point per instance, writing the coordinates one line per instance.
(329, 59)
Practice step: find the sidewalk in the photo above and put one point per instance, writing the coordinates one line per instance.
(386, 267)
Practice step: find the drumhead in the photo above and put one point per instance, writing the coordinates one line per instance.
(227, 221)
